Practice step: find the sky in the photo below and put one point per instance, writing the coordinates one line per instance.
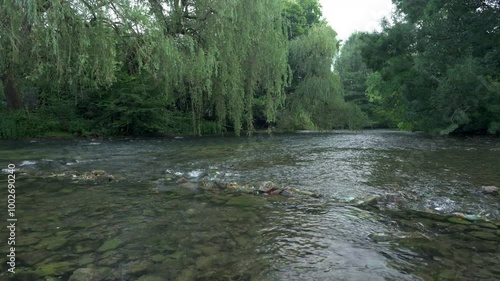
(348, 16)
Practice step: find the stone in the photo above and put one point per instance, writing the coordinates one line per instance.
(489, 189)
(150, 278)
(80, 249)
(176, 256)
(28, 240)
(158, 258)
(99, 172)
(57, 268)
(484, 235)
(187, 274)
(135, 267)
(275, 192)
(286, 193)
(33, 257)
(487, 225)
(52, 243)
(86, 274)
(86, 259)
(245, 200)
(204, 262)
(112, 259)
(458, 220)
(182, 181)
(109, 245)
(267, 186)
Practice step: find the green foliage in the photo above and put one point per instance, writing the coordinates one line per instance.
(296, 19)
(301, 15)
(312, 11)
(436, 68)
(315, 96)
(21, 124)
(131, 106)
(208, 60)
(168, 67)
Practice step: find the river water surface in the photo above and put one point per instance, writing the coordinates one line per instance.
(141, 225)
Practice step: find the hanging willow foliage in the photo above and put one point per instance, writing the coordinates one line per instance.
(58, 39)
(214, 55)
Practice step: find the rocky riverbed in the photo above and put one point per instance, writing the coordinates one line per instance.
(364, 206)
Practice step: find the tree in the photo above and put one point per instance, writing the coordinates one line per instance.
(352, 70)
(315, 96)
(209, 56)
(437, 66)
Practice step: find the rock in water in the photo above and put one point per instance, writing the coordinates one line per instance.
(489, 189)
(182, 181)
(86, 274)
(267, 187)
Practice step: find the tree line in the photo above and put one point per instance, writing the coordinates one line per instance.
(434, 67)
(131, 67)
(161, 67)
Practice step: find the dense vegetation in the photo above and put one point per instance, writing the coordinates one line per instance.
(160, 67)
(125, 67)
(434, 67)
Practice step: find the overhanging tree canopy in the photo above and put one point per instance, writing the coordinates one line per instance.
(213, 54)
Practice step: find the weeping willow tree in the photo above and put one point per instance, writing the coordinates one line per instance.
(315, 98)
(213, 56)
(69, 44)
(230, 50)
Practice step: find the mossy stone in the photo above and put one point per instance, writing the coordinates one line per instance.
(86, 274)
(187, 274)
(487, 225)
(459, 221)
(204, 262)
(28, 240)
(484, 235)
(135, 267)
(150, 278)
(447, 275)
(110, 245)
(176, 256)
(52, 243)
(158, 258)
(80, 249)
(246, 201)
(86, 259)
(57, 268)
(63, 233)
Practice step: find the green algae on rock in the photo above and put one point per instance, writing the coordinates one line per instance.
(110, 245)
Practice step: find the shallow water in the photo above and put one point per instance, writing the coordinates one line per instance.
(143, 226)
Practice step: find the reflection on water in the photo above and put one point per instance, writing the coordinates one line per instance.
(142, 226)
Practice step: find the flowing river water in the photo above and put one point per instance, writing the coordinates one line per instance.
(138, 224)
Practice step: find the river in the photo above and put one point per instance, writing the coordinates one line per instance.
(139, 224)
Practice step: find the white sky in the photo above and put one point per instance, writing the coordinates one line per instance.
(348, 16)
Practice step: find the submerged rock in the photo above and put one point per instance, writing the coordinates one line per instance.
(485, 235)
(56, 268)
(109, 245)
(150, 278)
(86, 274)
(135, 267)
(246, 201)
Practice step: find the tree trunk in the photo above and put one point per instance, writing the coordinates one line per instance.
(11, 91)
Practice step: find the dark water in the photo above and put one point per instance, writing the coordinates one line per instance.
(143, 226)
